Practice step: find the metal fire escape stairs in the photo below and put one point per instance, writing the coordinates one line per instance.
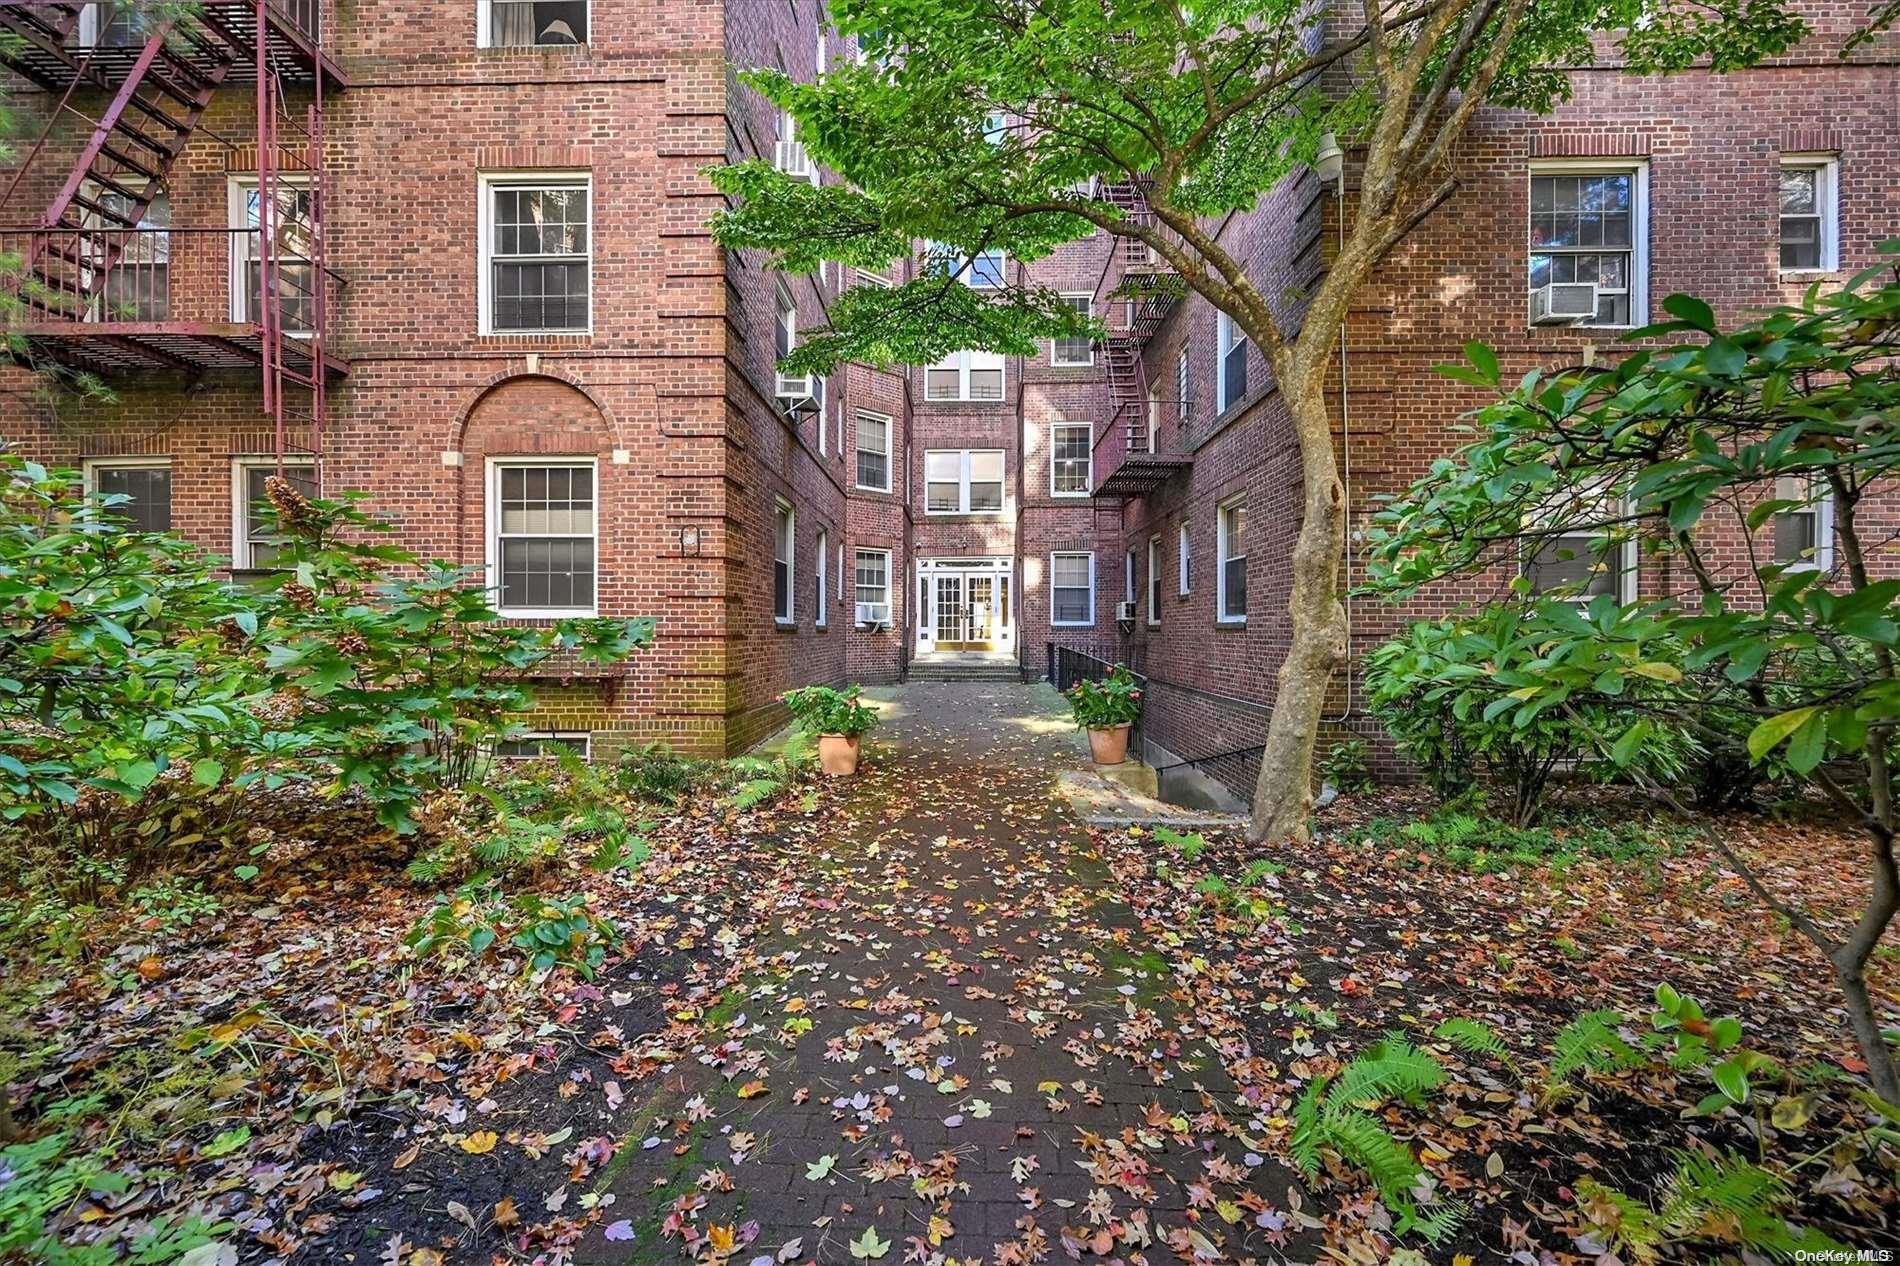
(1142, 291)
(63, 305)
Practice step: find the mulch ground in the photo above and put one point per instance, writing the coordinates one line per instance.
(926, 1015)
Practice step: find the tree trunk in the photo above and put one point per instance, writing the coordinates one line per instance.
(1866, 1026)
(9, 1128)
(1283, 795)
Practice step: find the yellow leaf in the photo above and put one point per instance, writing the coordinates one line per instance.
(752, 1090)
(1656, 672)
(724, 1238)
(480, 1143)
(344, 1179)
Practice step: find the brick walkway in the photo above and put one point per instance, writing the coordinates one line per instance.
(957, 1038)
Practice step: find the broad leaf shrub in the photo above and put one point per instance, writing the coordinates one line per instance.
(145, 700)
(825, 710)
(1445, 689)
(1112, 701)
(1758, 659)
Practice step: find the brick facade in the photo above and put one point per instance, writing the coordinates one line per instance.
(671, 395)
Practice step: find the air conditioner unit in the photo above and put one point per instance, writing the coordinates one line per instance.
(795, 389)
(874, 613)
(1563, 303)
(794, 161)
(1124, 611)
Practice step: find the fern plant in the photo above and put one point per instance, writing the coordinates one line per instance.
(1591, 1043)
(1707, 1200)
(1475, 1038)
(1338, 1114)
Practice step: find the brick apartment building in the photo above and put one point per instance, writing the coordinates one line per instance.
(471, 274)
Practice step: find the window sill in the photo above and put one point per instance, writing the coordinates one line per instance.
(964, 514)
(1060, 624)
(1809, 273)
(785, 626)
(882, 492)
(1073, 496)
(1230, 622)
(1072, 364)
(539, 614)
(504, 50)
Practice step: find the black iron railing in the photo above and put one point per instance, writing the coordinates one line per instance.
(1068, 666)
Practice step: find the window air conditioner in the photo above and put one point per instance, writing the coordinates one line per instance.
(1563, 303)
(874, 613)
(1124, 611)
(795, 389)
(793, 161)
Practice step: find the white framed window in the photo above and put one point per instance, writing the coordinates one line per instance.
(105, 25)
(1183, 410)
(1230, 387)
(144, 482)
(1804, 534)
(1576, 564)
(1183, 562)
(1074, 352)
(871, 581)
(871, 277)
(536, 253)
(1154, 581)
(138, 286)
(530, 23)
(250, 543)
(874, 452)
(1072, 590)
(963, 481)
(1230, 550)
(547, 745)
(821, 573)
(296, 273)
(1810, 213)
(965, 376)
(784, 549)
(1589, 224)
(541, 535)
(1070, 458)
(1128, 578)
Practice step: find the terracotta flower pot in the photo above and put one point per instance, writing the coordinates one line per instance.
(838, 753)
(1110, 746)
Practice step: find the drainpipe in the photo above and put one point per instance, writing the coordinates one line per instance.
(1330, 164)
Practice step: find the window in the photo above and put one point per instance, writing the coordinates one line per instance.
(1128, 578)
(1809, 231)
(1074, 351)
(292, 226)
(1183, 563)
(252, 545)
(544, 746)
(1231, 557)
(536, 255)
(1576, 563)
(1590, 227)
(1071, 590)
(1804, 533)
(963, 481)
(541, 555)
(820, 573)
(1069, 458)
(533, 23)
(965, 376)
(1232, 387)
(874, 452)
(872, 577)
(105, 25)
(138, 284)
(1154, 417)
(144, 482)
(784, 540)
(1181, 390)
(1154, 581)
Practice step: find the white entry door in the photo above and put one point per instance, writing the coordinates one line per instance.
(966, 604)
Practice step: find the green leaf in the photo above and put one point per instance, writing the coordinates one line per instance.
(207, 772)
(1767, 736)
(1725, 357)
(1809, 745)
(1731, 1078)
(226, 1142)
(868, 1247)
(1486, 360)
(820, 1169)
(1691, 309)
(246, 872)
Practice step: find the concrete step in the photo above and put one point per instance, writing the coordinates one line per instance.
(963, 672)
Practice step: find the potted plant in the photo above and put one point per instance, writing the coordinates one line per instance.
(837, 718)
(1107, 709)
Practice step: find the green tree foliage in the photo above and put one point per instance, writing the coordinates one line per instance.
(993, 125)
(1759, 658)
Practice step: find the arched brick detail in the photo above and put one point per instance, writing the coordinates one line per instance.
(554, 411)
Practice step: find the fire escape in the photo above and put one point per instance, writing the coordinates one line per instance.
(102, 282)
(1137, 452)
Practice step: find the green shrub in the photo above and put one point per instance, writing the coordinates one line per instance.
(1112, 701)
(1345, 766)
(42, 1182)
(657, 774)
(1721, 1200)
(548, 932)
(823, 710)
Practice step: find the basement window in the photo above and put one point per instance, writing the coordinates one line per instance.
(255, 546)
(544, 746)
(533, 23)
(144, 483)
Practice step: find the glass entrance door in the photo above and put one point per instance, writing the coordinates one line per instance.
(964, 605)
